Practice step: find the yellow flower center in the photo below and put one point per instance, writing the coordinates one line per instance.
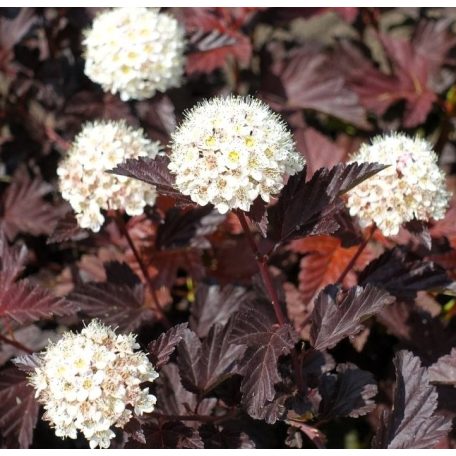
(234, 156)
(249, 141)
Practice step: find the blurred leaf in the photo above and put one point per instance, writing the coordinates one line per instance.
(18, 408)
(67, 229)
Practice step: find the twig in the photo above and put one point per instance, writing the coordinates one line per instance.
(261, 261)
(360, 250)
(16, 344)
(124, 230)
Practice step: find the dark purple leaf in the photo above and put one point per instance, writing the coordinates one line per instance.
(402, 274)
(348, 392)
(214, 304)
(153, 171)
(12, 259)
(412, 422)
(18, 408)
(265, 343)
(444, 370)
(308, 208)
(203, 366)
(162, 348)
(338, 313)
(181, 229)
(170, 435)
(27, 363)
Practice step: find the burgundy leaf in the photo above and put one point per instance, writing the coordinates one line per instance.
(162, 348)
(402, 274)
(308, 80)
(214, 304)
(444, 370)
(307, 208)
(116, 305)
(265, 344)
(348, 392)
(18, 408)
(67, 229)
(24, 209)
(24, 302)
(180, 229)
(12, 259)
(153, 171)
(412, 422)
(338, 314)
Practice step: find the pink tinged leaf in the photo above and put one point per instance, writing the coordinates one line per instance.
(18, 408)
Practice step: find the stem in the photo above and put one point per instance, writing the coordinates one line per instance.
(16, 344)
(145, 272)
(360, 250)
(261, 261)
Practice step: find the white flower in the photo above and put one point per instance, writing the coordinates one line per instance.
(83, 179)
(135, 52)
(229, 151)
(93, 399)
(412, 187)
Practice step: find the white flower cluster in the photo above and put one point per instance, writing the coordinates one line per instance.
(86, 382)
(412, 187)
(83, 179)
(135, 52)
(230, 150)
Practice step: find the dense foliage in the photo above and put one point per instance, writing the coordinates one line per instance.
(284, 326)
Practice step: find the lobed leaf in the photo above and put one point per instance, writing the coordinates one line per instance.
(162, 348)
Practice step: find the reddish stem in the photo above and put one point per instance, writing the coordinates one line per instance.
(360, 250)
(262, 264)
(16, 344)
(196, 417)
(145, 272)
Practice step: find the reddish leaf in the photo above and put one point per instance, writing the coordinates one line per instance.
(325, 259)
(12, 259)
(307, 79)
(348, 392)
(24, 302)
(162, 348)
(265, 344)
(412, 422)
(24, 209)
(215, 36)
(338, 314)
(412, 72)
(18, 408)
